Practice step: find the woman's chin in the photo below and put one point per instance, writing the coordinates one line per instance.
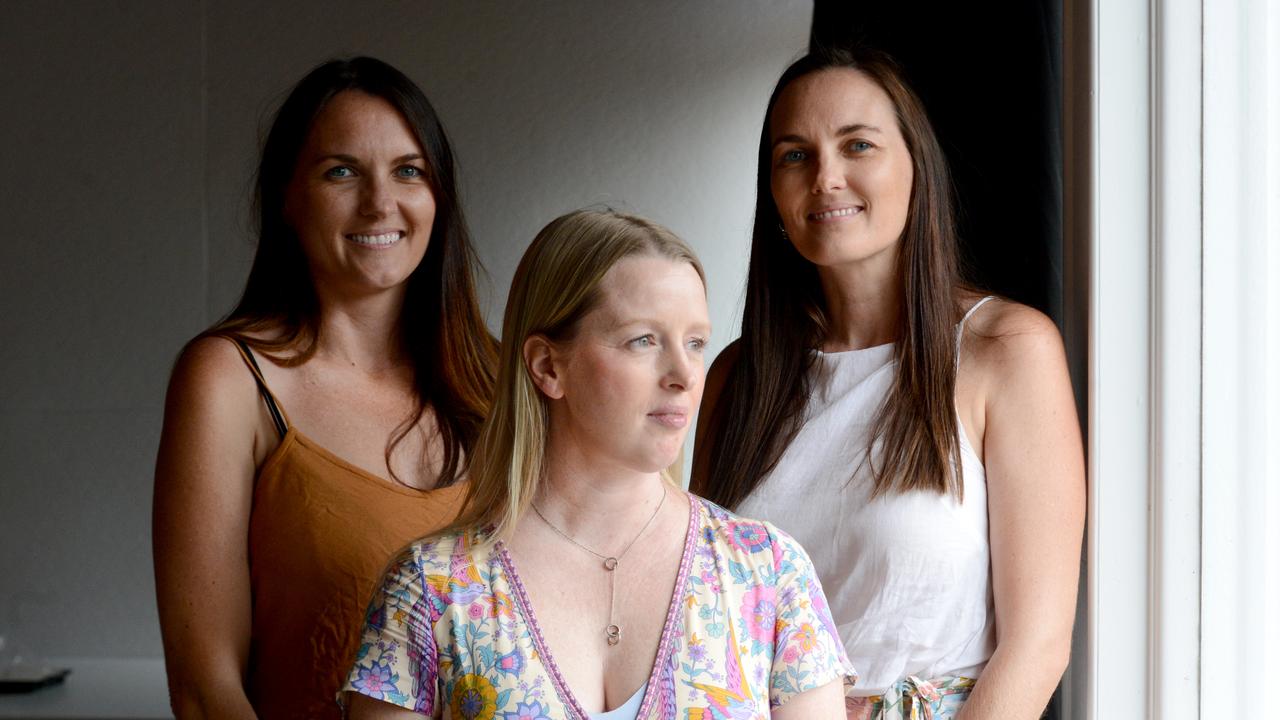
(665, 459)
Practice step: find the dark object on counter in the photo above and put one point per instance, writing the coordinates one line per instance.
(29, 678)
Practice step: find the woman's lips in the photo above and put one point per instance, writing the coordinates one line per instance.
(675, 419)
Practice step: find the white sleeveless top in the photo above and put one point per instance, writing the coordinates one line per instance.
(908, 576)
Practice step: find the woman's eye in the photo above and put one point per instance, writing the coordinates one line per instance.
(409, 171)
(697, 344)
(644, 341)
(339, 171)
(860, 146)
(793, 156)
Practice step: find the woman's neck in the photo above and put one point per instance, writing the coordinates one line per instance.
(863, 304)
(598, 504)
(362, 333)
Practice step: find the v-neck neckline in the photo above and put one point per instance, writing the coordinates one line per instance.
(668, 628)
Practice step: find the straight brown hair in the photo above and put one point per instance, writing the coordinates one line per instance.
(441, 328)
(761, 408)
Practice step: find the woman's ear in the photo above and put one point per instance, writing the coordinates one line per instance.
(539, 358)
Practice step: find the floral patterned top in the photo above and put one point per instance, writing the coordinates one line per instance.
(452, 633)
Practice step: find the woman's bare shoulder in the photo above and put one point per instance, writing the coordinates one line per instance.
(1005, 339)
(211, 377)
(211, 360)
(216, 427)
(214, 361)
(1002, 317)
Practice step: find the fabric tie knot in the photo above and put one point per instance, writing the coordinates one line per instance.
(911, 698)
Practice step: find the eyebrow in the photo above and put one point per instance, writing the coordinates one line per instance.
(845, 130)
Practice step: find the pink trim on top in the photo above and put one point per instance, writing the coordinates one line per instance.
(668, 629)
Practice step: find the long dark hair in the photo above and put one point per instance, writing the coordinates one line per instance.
(761, 408)
(442, 330)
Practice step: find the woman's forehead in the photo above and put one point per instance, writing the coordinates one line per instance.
(830, 99)
(650, 285)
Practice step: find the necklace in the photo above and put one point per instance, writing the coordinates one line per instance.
(612, 632)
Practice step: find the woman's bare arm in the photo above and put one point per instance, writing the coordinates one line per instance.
(1036, 501)
(200, 529)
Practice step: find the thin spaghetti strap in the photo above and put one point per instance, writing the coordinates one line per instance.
(273, 407)
(963, 320)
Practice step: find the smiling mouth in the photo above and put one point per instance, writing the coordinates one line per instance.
(834, 213)
(379, 240)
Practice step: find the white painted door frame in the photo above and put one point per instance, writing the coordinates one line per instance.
(1173, 226)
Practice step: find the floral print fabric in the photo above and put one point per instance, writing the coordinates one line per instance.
(913, 699)
(452, 633)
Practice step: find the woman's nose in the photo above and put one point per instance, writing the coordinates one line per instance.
(375, 198)
(828, 175)
(682, 370)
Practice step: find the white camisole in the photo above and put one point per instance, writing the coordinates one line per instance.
(908, 576)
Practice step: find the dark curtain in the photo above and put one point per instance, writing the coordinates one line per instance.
(990, 75)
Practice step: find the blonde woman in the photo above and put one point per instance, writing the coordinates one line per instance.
(578, 582)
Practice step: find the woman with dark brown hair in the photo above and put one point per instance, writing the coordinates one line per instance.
(271, 528)
(919, 439)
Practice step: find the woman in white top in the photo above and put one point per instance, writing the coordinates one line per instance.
(919, 441)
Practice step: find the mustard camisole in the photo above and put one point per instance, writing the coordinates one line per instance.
(321, 532)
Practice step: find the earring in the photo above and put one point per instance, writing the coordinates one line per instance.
(783, 230)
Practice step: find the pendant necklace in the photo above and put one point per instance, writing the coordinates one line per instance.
(612, 633)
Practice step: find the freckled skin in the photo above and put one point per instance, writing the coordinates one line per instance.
(379, 185)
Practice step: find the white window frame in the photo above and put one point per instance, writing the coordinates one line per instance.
(1173, 226)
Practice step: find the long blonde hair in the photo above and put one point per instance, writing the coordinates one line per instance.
(556, 284)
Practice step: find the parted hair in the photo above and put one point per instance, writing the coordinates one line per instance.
(557, 283)
(915, 433)
(441, 327)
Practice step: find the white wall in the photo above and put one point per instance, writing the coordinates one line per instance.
(132, 131)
